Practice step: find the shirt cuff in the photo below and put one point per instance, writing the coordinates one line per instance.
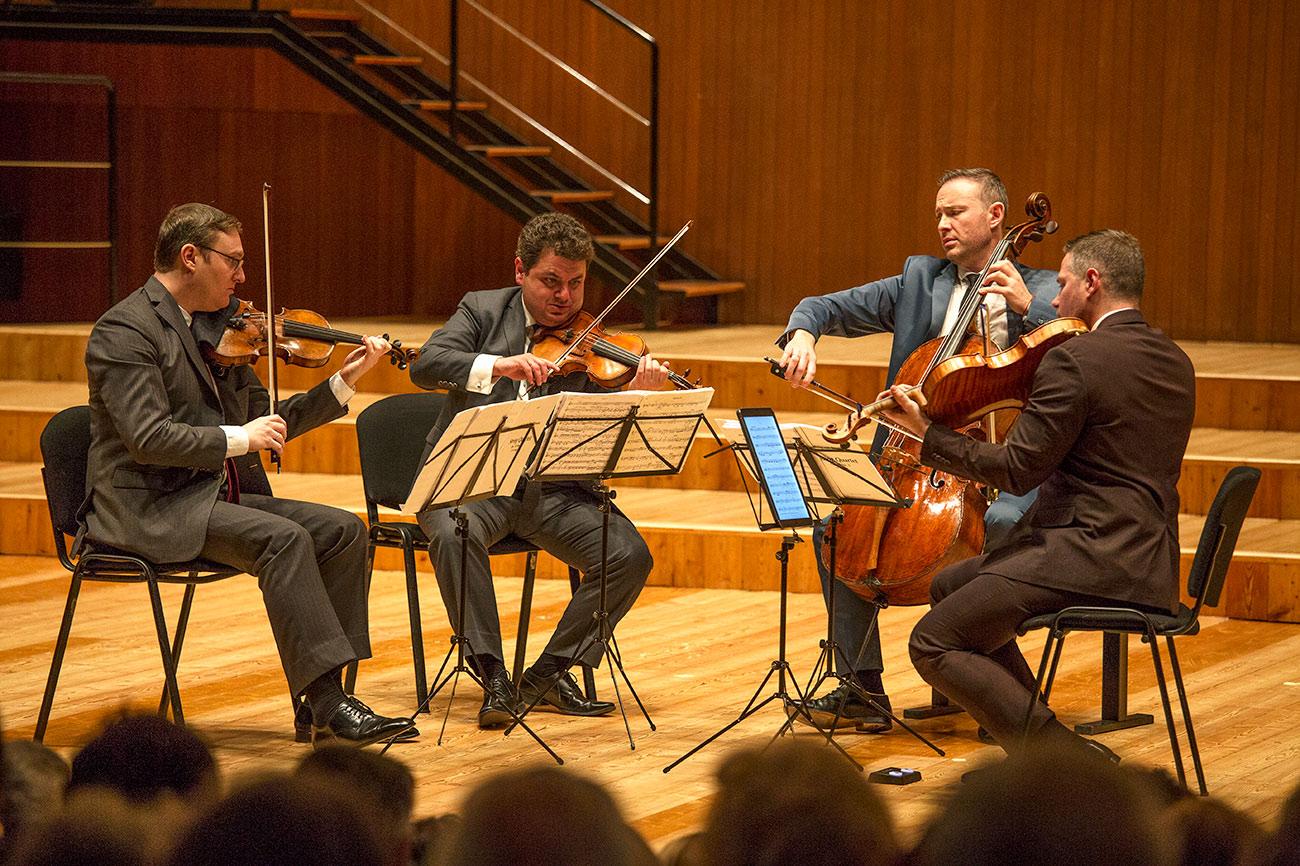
(480, 375)
(343, 392)
(236, 440)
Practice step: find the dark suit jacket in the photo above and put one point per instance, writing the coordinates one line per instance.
(157, 450)
(1104, 434)
(487, 322)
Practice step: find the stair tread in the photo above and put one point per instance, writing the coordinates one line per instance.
(573, 195)
(628, 242)
(386, 60)
(325, 15)
(510, 149)
(445, 104)
(697, 288)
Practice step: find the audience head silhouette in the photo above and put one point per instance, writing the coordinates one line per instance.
(142, 757)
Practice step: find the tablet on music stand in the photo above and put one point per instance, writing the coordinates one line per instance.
(776, 476)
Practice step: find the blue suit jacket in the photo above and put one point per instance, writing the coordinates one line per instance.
(912, 306)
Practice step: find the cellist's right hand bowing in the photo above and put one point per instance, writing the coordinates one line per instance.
(799, 361)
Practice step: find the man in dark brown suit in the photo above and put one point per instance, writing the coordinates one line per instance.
(1104, 434)
(167, 436)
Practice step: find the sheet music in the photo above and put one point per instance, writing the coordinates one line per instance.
(586, 428)
(446, 478)
(848, 474)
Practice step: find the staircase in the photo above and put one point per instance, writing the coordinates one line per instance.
(461, 135)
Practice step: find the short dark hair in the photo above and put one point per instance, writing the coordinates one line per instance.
(141, 756)
(992, 189)
(557, 232)
(1114, 254)
(384, 784)
(193, 223)
(793, 802)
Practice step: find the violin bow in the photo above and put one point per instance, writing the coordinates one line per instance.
(595, 323)
(273, 380)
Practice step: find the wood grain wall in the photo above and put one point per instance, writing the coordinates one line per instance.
(805, 138)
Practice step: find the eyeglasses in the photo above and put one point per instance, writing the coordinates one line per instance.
(235, 264)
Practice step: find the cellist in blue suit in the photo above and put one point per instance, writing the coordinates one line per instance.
(915, 306)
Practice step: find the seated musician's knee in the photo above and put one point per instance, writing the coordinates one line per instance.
(923, 649)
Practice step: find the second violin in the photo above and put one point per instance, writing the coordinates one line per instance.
(610, 360)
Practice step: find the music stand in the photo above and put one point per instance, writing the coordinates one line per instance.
(600, 436)
(763, 457)
(835, 476)
(479, 455)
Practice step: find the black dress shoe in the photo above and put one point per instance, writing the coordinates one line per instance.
(302, 724)
(563, 696)
(855, 713)
(499, 699)
(1100, 751)
(354, 723)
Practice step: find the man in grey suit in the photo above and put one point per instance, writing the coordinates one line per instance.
(918, 305)
(1103, 433)
(168, 436)
(482, 355)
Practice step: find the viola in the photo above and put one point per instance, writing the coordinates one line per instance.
(583, 345)
(302, 338)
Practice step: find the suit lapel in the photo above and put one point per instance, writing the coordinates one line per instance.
(168, 310)
(940, 296)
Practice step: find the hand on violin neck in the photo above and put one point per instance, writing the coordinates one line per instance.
(908, 411)
(651, 375)
(266, 433)
(524, 368)
(362, 358)
(800, 359)
(1003, 279)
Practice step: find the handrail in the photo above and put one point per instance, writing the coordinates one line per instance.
(651, 197)
(110, 95)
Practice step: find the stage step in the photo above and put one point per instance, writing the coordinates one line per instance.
(325, 15)
(700, 288)
(445, 104)
(501, 151)
(729, 359)
(628, 242)
(572, 196)
(707, 538)
(386, 60)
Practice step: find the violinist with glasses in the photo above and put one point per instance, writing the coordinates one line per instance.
(916, 306)
(484, 355)
(173, 469)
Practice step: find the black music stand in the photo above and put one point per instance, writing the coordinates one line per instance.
(816, 467)
(468, 465)
(596, 437)
(750, 466)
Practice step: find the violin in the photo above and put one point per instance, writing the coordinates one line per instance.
(583, 345)
(302, 338)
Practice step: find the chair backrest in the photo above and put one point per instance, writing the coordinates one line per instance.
(390, 441)
(65, 442)
(1219, 536)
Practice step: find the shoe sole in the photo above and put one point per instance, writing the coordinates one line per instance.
(546, 706)
(326, 737)
(825, 721)
(494, 719)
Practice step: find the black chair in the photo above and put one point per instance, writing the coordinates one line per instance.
(1204, 584)
(390, 440)
(65, 442)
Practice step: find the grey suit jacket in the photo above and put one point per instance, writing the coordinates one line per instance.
(1104, 434)
(490, 322)
(157, 451)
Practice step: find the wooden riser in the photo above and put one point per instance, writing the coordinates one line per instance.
(1263, 582)
(56, 354)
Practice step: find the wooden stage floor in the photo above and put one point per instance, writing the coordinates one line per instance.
(695, 656)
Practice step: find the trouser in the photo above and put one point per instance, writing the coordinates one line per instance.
(310, 564)
(564, 520)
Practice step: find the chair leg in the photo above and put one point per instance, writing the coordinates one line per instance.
(1187, 716)
(525, 612)
(1046, 690)
(350, 670)
(164, 647)
(417, 628)
(588, 675)
(56, 663)
(1059, 640)
(1164, 700)
(182, 623)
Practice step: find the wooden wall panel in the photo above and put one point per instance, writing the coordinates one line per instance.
(805, 139)
(360, 224)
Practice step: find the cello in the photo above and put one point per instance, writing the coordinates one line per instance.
(891, 557)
